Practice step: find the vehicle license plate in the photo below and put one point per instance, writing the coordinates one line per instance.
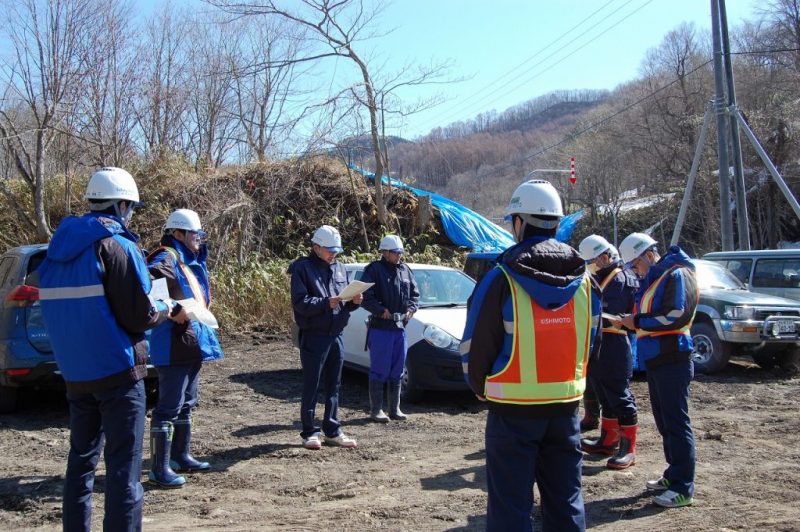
(785, 326)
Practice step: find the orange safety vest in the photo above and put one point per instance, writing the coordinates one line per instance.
(609, 329)
(550, 349)
(645, 305)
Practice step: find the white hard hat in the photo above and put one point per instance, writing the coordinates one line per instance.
(184, 219)
(634, 245)
(593, 246)
(391, 243)
(536, 197)
(110, 183)
(329, 238)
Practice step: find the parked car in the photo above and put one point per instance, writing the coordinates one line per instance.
(433, 334)
(26, 357)
(730, 320)
(768, 271)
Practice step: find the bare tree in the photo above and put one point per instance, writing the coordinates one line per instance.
(161, 105)
(210, 96)
(336, 25)
(262, 93)
(106, 113)
(47, 40)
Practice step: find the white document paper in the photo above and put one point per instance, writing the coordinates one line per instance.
(198, 312)
(353, 289)
(159, 290)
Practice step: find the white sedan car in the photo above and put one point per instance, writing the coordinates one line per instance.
(433, 334)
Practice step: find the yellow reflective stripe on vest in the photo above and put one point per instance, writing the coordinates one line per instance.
(560, 375)
(646, 304)
(603, 285)
(194, 284)
(609, 278)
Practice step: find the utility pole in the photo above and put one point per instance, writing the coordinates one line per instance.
(726, 222)
(742, 218)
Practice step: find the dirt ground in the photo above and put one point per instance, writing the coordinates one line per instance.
(425, 474)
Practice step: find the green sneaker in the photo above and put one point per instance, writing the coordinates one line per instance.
(671, 499)
(658, 485)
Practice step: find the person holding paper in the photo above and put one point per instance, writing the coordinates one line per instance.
(662, 317)
(179, 350)
(391, 302)
(95, 295)
(320, 313)
(611, 371)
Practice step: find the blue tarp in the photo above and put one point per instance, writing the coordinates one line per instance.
(467, 228)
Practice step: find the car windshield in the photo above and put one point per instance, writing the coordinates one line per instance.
(445, 288)
(711, 275)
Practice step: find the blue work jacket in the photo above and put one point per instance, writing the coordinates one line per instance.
(313, 283)
(94, 292)
(182, 343)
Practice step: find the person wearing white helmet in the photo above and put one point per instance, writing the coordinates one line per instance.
(662, 317)
(321, 315)
(611, 371)
(96, 304)
(391, 301)
(532, 322)
(179, 350)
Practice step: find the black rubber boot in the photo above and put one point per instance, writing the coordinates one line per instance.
(591, 414)
(376, 412)
(182, 459)
(394, 401)
(626, 456)
(608, 441)
(160, 471)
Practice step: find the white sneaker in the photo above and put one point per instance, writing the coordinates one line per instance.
(341, 441)
(312, 442)
(671, 499)
(661, 484)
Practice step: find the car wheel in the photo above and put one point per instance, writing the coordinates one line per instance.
(710, 354)
(8, 399)
(410, 392)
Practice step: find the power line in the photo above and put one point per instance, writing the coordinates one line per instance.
(554, 53)
(575, 135)
(565, 34)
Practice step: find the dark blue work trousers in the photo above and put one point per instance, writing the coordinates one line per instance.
(321, 358)
(616, 399)
(116, 416)
(669, 396)
(521, 451)
(387, 354)
(177, 392)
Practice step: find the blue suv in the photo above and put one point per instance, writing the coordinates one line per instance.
(26, 358)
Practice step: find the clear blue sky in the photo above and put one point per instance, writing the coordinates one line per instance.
(515, 50)
(490, 40)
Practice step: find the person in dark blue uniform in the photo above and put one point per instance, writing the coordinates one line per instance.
(94, 292)
(665, 307)
(612, 370)
(531, 324)
(391, 302)
(321, 315)
(179, 350)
